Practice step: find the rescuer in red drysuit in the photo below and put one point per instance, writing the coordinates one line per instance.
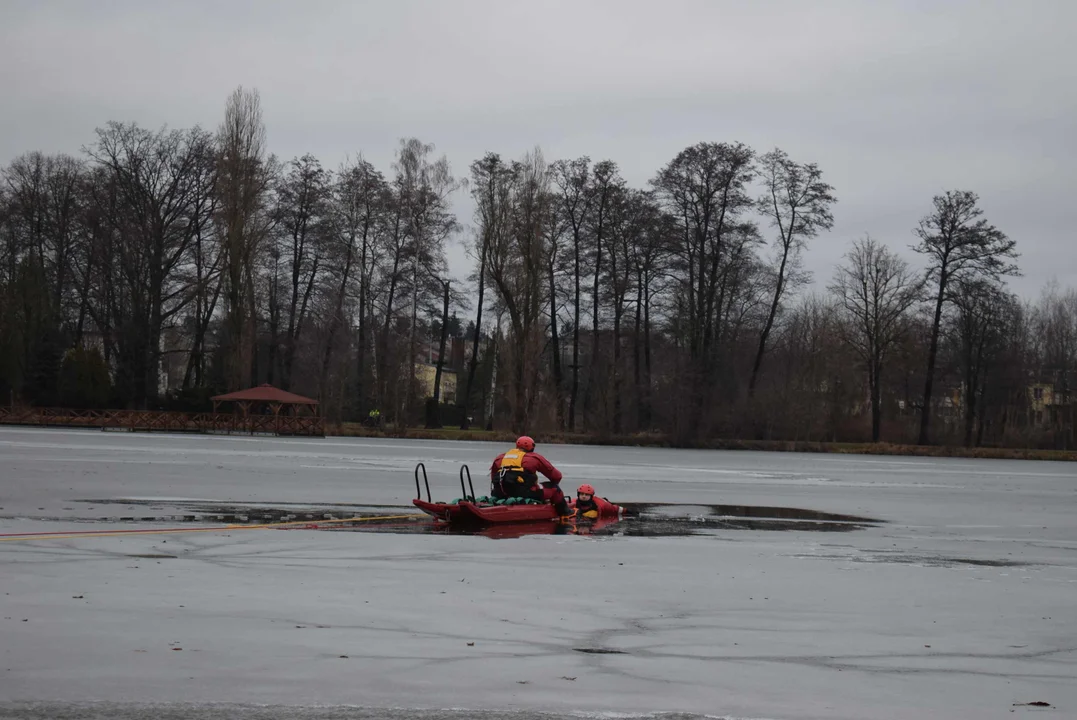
(514, 474)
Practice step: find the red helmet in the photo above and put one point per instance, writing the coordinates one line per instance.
(585, 489)
(525, 443)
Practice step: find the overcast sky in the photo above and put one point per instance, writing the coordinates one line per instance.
(896, 101)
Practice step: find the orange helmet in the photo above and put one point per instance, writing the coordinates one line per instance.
(585, 489)
(525, 443)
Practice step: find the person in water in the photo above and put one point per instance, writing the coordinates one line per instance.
(586, 502)
(590, 506)
(514, 474)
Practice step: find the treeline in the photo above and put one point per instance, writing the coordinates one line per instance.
(161, 267)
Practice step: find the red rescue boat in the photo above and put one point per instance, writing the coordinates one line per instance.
(477, 511)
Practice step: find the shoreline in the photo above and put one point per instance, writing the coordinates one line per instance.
(661, 441)
(648, 440)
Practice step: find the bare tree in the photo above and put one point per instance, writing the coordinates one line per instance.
(448, 299)
(26, 180)
(515, 270)
(302, 218)
(393, 277)
(632, 219)
(48, 198)
(554, 233)
(362, 204)
(207, 257)
(245, 174)
(573, 181)
(705, 188)
(606, 183)
(45, 197)
(425, 186)
(814, 355)
(156, 178)
(31, 319)
(875, 290)
(797, 203)
(491, 189)
(648, 256)
(97, 260)
(981, 324)
(433, 416)
(959, 244)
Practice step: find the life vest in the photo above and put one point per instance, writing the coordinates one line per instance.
(583, 507)
(514, 480)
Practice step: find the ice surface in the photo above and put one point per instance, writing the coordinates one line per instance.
(961, 605)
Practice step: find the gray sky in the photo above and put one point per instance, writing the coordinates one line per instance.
(896, 101)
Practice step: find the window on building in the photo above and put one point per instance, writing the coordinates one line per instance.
(1038, 393)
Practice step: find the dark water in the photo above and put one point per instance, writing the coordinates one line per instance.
(641, 519)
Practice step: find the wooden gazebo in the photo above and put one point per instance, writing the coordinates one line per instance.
(269, 409)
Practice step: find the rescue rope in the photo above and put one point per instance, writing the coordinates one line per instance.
(76, 534)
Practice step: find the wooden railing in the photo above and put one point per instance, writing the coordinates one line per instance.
(163, 421)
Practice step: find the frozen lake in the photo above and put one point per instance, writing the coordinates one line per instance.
(960, 603)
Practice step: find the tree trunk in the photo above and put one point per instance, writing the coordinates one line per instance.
(973, 371)
(433, 419)
(199, 301)
(383, 356)
(200, 368)
(637, 375)
(555, 348)
(295, 318)
(290, 334)
(519, 414)
(335, 322)
(409, 376)
(413, 349)
(769, 324)
(647, 409)
(84, 295)
(274, 329)
(252, 326)
(980, 420)
(489, 395)
(970, 413)
(592, 375)
(473, 365)
(875, 381)
(932, 355)
(575, 392)
(234, 324)
(156, 321)
(617, 314)
(360, 362)
(360, 355)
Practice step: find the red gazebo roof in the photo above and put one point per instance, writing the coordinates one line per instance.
(265, 393)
